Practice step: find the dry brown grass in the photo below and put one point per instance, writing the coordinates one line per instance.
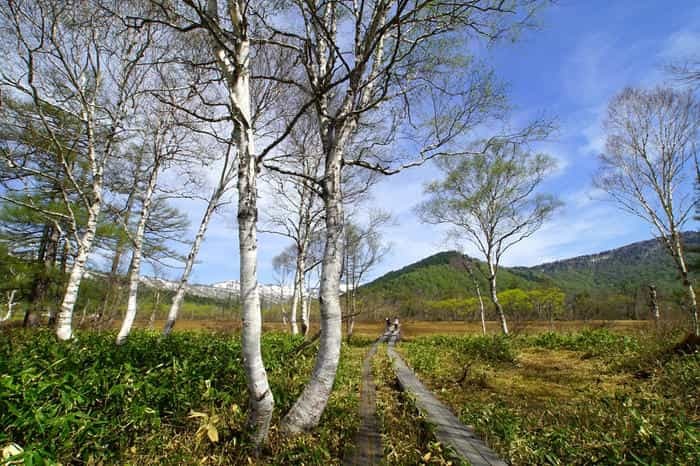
(415, 328)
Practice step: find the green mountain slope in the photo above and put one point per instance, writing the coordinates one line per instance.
(437, 277)
(622, 270)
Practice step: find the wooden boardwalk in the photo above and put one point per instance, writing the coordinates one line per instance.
(448, 428)
(368, 442)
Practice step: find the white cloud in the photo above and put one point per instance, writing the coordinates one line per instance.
(681, 45)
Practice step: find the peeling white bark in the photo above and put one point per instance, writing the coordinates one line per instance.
(295, 305)
(677, 250)
(235, 69)
(261, 401)
(307, 410)
(654, 304)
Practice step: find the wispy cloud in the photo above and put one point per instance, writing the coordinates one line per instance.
(681, 45)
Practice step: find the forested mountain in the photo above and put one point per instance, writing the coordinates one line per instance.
(627, 267)
(439, 277)
(621, 271)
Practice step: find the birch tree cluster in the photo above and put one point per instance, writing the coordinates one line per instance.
(110, 107)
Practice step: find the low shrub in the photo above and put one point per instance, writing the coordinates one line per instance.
(596, 342)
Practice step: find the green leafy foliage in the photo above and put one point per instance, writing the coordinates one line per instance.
(158, 401)
(597, 342)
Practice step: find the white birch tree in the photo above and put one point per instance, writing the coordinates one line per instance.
(163, 141)
(491, 199)
(358, 57)
(227, 29)
(10, 305)
(647, 167)
(295, 211)
(73, 58)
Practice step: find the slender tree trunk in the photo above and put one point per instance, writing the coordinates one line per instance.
(693, 308)
(551, 318)
(654, 304)
(236, 70)
(481, 308)
(305, 305)
(693, 304)
(494, 300)
(295, 299)
(308, 408)
(118, 253)
(10, 305)
(156, 303)
(353, 313)
(683, 269)
(64, 327)
(191, 257)
(135, 266)
(261, 400)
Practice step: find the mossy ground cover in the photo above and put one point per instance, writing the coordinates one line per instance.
(180, 400)
(591, 397)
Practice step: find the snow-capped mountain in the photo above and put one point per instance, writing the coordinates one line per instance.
(223, 290)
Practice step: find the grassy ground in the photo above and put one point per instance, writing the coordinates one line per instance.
(593, 397)
(611, 394)
(152, 401)
(411, 328)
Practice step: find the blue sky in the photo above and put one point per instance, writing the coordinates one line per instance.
(583, 54)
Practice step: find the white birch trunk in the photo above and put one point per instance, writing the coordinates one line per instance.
(494, 299)
(654, 304)
(191, 257)
(135, 266)
(295, 304)
(307, 410)
(683, 269)
(10, 305)
(351, 326)
(353, 311)
(693, 309)
(152, 320)
(481, 309)
(237, 76)
(64, 324)
(305, 305)
(260, 396)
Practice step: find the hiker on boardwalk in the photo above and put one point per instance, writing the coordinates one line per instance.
(396, 324)
(388, 325)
